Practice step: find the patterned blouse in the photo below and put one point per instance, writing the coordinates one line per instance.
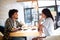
(9, 24)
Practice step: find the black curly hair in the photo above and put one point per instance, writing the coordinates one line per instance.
(11, 12)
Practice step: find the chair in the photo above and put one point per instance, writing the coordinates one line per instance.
(19, 38)
(2, 29)
(1, 37)
(56, 37)
(38, 38)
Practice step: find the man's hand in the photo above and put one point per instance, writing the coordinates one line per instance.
(15, 29)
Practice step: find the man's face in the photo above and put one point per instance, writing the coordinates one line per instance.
(15, 15)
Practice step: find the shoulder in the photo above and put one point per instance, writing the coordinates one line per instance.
(49, 19)
(8, 19)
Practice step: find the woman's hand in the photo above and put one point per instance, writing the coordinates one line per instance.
(40, 28)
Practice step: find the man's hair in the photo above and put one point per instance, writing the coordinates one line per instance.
(11, 12)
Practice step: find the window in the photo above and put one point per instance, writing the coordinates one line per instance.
(31, 16)
(58, 8)
(28, 16)
(34, 15)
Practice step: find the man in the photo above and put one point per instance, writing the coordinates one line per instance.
(11, 24)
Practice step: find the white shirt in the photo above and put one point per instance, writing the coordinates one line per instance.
(15, 24)
(48, 26)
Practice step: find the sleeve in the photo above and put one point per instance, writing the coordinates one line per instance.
(19, 24)
(49, 26)
(46, 23)
(8, 26)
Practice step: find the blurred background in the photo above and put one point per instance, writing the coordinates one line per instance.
(29, 10)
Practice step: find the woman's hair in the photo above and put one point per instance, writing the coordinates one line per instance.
(47, 13)
(11, 12)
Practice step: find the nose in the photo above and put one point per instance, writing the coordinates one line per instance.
(17, 14)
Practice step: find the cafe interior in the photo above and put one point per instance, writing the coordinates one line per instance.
(29, 13)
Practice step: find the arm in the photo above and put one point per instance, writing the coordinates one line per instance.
(40, 28)
(48, 26)
(19, 24)
(9, 27)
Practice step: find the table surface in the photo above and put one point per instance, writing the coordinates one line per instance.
(25, 33)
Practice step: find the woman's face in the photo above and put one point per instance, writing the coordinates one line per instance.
(43, 15)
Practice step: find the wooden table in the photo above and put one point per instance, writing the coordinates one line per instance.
(24, 33)
(27, 34)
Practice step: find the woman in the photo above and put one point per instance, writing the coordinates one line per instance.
(47, 26)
